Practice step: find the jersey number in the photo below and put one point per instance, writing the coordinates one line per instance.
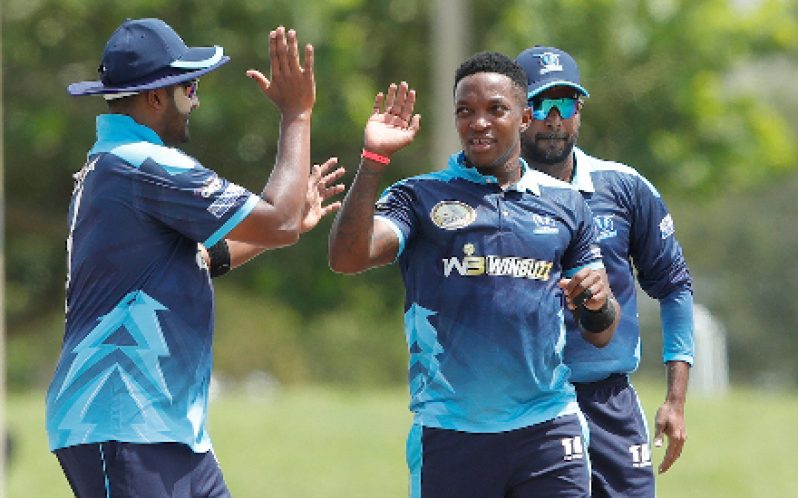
(641, 455)
(573, 448)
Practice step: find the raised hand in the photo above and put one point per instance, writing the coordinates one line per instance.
(319, 190)
(292, 87)
(392, 124)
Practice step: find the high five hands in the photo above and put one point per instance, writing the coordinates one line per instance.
(392, 124)
(292, 87)
(322, 186)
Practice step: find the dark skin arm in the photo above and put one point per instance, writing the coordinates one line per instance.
(358, 241)
(321, 186)
(670, 416)
(597, 282)
(276, 220)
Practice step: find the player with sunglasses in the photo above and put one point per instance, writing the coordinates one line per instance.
(635, 232)
(128, 403)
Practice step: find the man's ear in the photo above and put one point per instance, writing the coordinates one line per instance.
(526, 118)
(156, 99)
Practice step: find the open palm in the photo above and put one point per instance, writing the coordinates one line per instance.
(392, 124)
(321, 187)
(292, 87)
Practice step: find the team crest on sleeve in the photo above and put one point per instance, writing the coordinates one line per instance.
(605, 226)
(452, 215)
(666, 227)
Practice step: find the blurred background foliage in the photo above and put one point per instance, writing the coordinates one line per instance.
(698, 96)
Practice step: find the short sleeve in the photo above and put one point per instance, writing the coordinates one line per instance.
(176, 190)
(395, 206)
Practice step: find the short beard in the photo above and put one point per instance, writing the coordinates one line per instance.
(177, 131)
(532, 153)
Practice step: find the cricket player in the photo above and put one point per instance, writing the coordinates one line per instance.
(127, 405)
(636, 235)
(493, 255)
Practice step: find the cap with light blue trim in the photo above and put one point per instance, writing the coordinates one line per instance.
(547, 67)
(145, 54)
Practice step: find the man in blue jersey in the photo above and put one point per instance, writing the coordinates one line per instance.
(634, 228)
(487, 249)
(127, 406)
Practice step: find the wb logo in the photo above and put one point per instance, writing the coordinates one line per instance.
(605, 226)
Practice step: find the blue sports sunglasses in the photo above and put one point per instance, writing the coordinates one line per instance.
(541, 108)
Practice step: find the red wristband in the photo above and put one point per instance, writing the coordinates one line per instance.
(373, 156)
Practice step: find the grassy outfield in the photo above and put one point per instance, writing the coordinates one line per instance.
(336, 443)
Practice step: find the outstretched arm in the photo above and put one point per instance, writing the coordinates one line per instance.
(321, 186)
(276, 219)
(358, 242)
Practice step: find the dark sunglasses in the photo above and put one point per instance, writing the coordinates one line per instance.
(541, 107)
(191, 88)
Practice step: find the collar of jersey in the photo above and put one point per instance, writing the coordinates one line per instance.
(114, 130)
(582, 179)
(458, 169)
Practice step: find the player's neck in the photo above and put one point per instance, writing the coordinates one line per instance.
(563, 170)
(506, 168)
(508, 173)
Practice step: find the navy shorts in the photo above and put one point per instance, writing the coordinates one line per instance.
(126, 470)
(542, 460)
(620, 452)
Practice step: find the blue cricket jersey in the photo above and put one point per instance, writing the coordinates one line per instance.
(135, 363)
(483, 311)
(634, 228)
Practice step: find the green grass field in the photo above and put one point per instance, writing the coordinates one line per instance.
(336, 443)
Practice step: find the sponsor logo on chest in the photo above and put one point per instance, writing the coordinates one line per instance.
(472, 265)
(544, 225)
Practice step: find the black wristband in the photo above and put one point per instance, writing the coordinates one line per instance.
(597, 321)
(219, 254)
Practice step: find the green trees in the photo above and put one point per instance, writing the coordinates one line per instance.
(695, 95)
(665, 87)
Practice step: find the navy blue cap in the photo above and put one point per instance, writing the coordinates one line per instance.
(144, 54)
(547, 67)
